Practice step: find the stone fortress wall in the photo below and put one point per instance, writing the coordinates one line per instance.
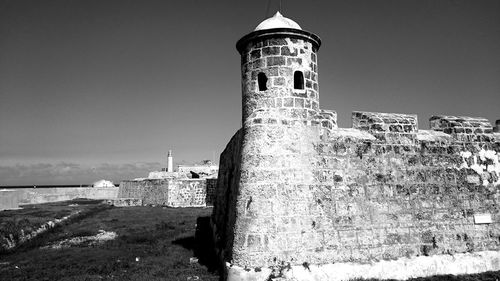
(296, 190)
(170, 192)
(189, 186)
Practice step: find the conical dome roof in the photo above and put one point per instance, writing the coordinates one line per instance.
(277, 21)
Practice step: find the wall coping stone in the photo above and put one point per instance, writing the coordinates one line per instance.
(439, 122)
(431, 135)
(353, 133)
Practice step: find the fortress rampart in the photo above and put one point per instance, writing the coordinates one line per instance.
(170, 192)
(383, 190)
(294, 190)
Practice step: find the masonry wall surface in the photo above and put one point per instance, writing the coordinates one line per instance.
(167, 192)
(211, 189)
(377, 192)
(223, 215)
(278, 59)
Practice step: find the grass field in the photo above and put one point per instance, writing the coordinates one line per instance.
(152, 243)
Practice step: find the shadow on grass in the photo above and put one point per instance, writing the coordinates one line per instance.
(201, 244)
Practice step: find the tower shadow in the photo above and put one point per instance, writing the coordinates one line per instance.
(201, 244)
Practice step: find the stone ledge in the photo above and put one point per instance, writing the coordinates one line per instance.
(352, 133)
(400, 269)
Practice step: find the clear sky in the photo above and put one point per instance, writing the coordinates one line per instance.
(93, 89)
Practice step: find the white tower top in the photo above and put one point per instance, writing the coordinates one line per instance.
(170, 162)
(277, 21)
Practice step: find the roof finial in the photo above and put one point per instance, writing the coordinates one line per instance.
(269, 6)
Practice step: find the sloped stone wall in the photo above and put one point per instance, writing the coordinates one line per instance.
(224, 215)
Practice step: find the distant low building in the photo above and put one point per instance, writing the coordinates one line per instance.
(205, 169)
(103, 183)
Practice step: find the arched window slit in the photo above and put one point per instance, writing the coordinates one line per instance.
(298, 80)
(262, 80)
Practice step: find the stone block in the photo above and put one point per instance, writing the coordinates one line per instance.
(288, 51)
(271, 51)
(275, 61)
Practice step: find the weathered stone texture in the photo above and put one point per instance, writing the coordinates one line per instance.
(211, 188)
(357, 197)
(166, 192)
(151, 191)
(224, 215)
(278, 59)
(401, 269)
(295, 190)
(187, 193)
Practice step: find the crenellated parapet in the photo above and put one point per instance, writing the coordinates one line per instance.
(463, 128)
(387, 127)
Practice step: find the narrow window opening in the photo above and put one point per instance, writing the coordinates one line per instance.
(262, 80)
(298, 80)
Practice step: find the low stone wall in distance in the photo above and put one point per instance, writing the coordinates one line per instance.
(54, 194)
(8, 199)
(170, 192)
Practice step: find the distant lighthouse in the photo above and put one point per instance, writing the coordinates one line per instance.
(170, 162)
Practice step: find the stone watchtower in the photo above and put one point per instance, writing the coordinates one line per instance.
(280, 116)
(279, 73)
(268, 167)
